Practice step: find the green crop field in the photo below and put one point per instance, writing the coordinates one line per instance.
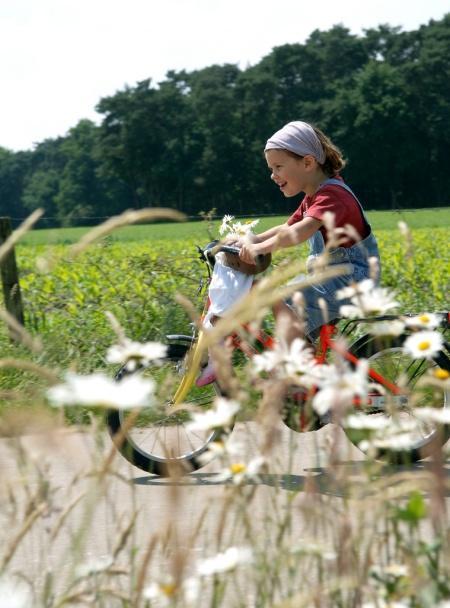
(136, 272)
(380, 220)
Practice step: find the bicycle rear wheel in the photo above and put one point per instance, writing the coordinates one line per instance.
(155, 439)
(387, 357)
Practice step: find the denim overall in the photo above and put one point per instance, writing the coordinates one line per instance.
(357, 256)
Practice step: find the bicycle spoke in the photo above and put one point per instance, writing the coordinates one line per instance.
(410, 437)
(159, 435)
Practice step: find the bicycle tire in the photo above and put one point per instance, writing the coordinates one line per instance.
(156, 442)
(386, 356)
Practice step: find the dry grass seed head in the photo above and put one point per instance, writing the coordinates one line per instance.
(17, 234)
(19, 333)
(269, 415)
(119, 221)
(269, 292)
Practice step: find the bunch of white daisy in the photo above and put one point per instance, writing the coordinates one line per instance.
(219, 416)
(98, 390)
(136, 354)
(230, 227)
(294, 362)
(366, 299)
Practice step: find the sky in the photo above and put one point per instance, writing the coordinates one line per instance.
(60, 57)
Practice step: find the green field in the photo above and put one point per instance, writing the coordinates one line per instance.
(137, 271)
(380, 220)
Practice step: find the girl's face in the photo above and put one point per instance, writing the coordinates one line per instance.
(291, 174)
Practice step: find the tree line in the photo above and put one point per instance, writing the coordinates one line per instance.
(194, 141)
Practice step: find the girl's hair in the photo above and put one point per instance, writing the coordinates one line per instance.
(334, 161)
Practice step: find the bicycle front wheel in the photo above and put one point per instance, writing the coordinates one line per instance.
(387, 357)
(156, 439)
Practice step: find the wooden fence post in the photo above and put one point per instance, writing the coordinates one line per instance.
(10, 276)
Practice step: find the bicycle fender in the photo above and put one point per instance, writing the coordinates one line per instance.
(179, 338)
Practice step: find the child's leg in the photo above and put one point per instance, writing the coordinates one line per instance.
(288, 323)
(208, 373)
(304, 314)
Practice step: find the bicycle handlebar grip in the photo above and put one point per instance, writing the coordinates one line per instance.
(233, 260)
(261, 261)
(230, 249)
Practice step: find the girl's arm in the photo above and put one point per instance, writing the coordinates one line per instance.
(263, 236)
(286, 236)
(255, 238)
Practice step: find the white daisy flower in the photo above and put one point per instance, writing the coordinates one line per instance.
(312, 548)
(94, 566)
(437, 377)
(134, 354)
(165, 593)
(427, 320)
(295, 362)
(389, 571)
(237, 228)
(366, 421)
(243, 229)
(356, 289)
(220, 415)
(441, 374)
(400, 441)
(366, 300)
(386, 328)
(339, 388)
(238, 472)
(14, 593)
(226, 221)
(433, 414)
(225, 562)
(423, 344)
(99, 390)
(396, 570)
(399, 434)
(222, 448)
(215, 449)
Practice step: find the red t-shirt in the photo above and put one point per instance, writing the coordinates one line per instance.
(336, 200)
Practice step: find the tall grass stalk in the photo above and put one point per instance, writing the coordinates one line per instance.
(328, 528)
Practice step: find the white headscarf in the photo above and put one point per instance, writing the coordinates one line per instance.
(298, 137)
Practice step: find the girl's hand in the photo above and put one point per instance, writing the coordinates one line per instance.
(248, 252)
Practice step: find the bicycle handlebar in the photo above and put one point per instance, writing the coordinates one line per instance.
(229, 249)
(259, 259)
(261, 262)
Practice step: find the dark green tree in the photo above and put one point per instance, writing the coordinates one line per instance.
(428, 78)
(195, 140)
(371, 120)
(13, 171)
(83, 193)
(145, 140)
(41, 184)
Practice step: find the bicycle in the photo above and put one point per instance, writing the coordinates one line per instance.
(157, 437)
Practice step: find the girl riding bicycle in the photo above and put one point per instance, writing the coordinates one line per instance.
(302, 159)
(376, 376)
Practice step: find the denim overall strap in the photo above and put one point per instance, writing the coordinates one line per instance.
(316, 242)
(356, 258)
(338, 182)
